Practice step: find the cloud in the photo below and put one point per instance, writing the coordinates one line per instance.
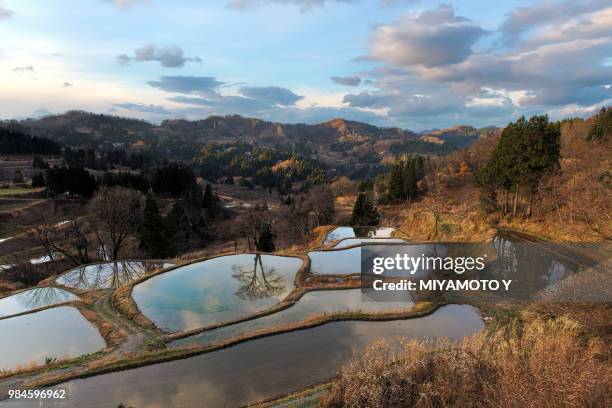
(5, 13)
(28, 68)
(123, 59)
(274, 94)
(170, 57)
(430, 39)
(67, 85)
(550, 59)
(201, 97)
(347, 81)
(140, 107)
(187, 84)
(522, 19)
(369, 100)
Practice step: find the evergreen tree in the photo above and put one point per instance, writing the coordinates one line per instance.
(38, 180)
(364, 212)
(410, 178)
(208, 197)
(151, 232)
(39, 163)
(265, 243)
(526, 152)
(601, 128)
(396, 181)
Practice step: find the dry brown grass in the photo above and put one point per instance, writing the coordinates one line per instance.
(545, 363)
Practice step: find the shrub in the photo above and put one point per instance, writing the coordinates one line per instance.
(541, 364)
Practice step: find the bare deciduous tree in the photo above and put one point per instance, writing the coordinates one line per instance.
(114, 213)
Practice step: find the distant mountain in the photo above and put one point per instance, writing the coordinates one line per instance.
(337, 140)
(459, 136)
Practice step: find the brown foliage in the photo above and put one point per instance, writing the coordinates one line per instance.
(542, 364)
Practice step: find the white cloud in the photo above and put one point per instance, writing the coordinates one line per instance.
(430, 39)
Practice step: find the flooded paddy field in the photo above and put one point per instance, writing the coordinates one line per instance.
(339, 233)
(261, 368)
(33, 299)
(108, 275)
(216, 290)
(55, 333)
(311, 304)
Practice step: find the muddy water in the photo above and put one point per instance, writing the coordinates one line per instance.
(55, 333)
(262, 368)
(33, 299)
(217, 290)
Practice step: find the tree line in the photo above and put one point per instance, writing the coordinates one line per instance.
(267, 167)
(16, 142)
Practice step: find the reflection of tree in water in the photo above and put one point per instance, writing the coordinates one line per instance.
(531, 267)
(104, 276)
(364, 232)
(257, 282)
(44, 296)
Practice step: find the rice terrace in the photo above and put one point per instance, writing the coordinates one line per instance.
(305, 203)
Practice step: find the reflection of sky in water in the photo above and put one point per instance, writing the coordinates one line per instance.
(57, 332)
(351, 232)
(339, 233)
(532, 268)
(311, 304)
(217, 290)
(356, 241)
(108, 274)
(33, 299)
(342, 262)
(262, 368)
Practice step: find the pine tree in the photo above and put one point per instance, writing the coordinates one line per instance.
(265, 243)
(151, 233)
(38, 180)
(410, 178)
(208, 197)
(364, 212)
(526, 152)
(601, 129)
(396, 181)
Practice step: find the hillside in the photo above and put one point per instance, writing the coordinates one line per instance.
(346, 147)
(458, 136)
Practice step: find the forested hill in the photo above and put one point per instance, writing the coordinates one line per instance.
(16, 142)
(83, 129)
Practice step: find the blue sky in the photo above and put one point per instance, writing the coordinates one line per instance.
(407, 63)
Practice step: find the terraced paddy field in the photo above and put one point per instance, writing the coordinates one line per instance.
(33, 299)
(235, 329)
(38, 338)
(108, 275)
(216, 290)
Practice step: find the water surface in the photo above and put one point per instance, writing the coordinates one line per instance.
(59, 332)
(359, 241)
(310, 304)
(341, 262)
(108, 275)
(359, 232)
(261, 368)
(216, 290)
(32, 299)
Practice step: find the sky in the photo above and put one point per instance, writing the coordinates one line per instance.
(406, 63)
